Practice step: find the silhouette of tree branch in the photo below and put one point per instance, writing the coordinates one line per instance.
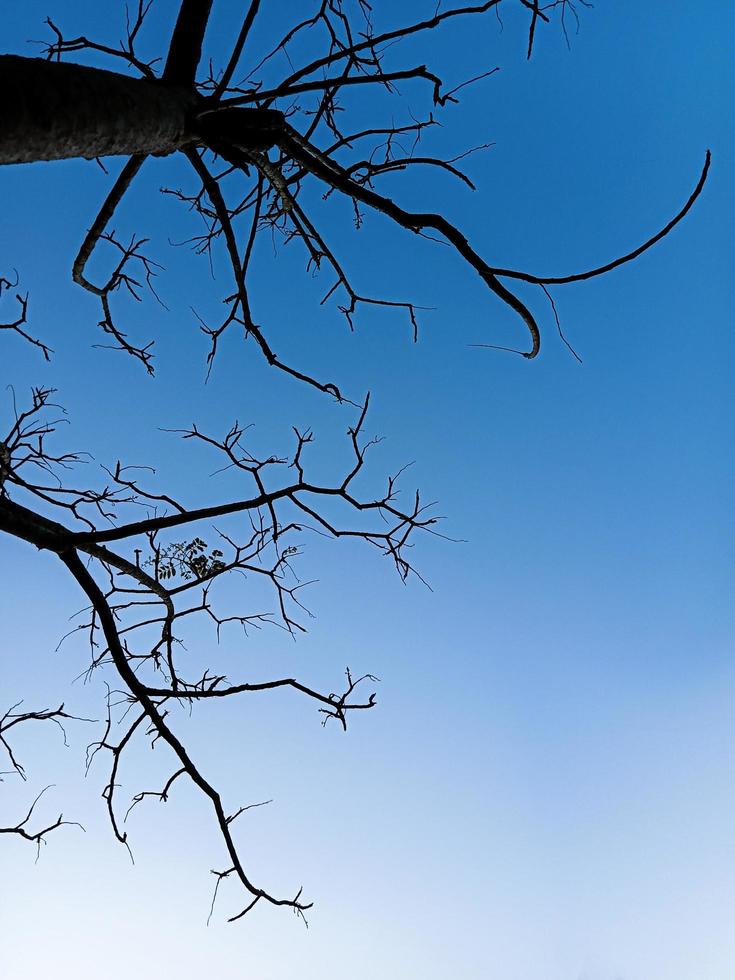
(272, 142)
(142, 599)
(37, 837)
(258, 140)
(18, 324)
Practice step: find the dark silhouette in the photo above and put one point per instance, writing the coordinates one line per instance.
(252, 146)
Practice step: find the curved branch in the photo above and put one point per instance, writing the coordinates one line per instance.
(629, 256)
(119, 276)
(106, 212)
(336, 176)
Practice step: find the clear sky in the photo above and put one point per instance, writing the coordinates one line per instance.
(546, 789)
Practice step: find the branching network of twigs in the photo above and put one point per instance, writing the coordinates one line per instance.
(144, 585)
(258, 136)
(148, 562)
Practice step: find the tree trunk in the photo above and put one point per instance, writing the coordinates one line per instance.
(53, 111)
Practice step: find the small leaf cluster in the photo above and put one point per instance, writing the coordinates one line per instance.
(189, 559)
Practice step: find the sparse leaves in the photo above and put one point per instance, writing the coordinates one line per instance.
(187, 559)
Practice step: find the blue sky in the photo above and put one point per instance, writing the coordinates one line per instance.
(546, 788)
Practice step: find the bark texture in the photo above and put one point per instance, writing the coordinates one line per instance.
(54, 110)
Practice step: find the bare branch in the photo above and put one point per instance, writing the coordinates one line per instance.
(185, 50)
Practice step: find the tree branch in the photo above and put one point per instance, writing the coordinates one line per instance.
(185, 50)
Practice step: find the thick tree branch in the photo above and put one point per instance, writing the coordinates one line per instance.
(185, 50)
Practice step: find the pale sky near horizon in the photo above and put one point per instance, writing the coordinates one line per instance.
(546, 788)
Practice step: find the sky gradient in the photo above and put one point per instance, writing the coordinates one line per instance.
(545, 790)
